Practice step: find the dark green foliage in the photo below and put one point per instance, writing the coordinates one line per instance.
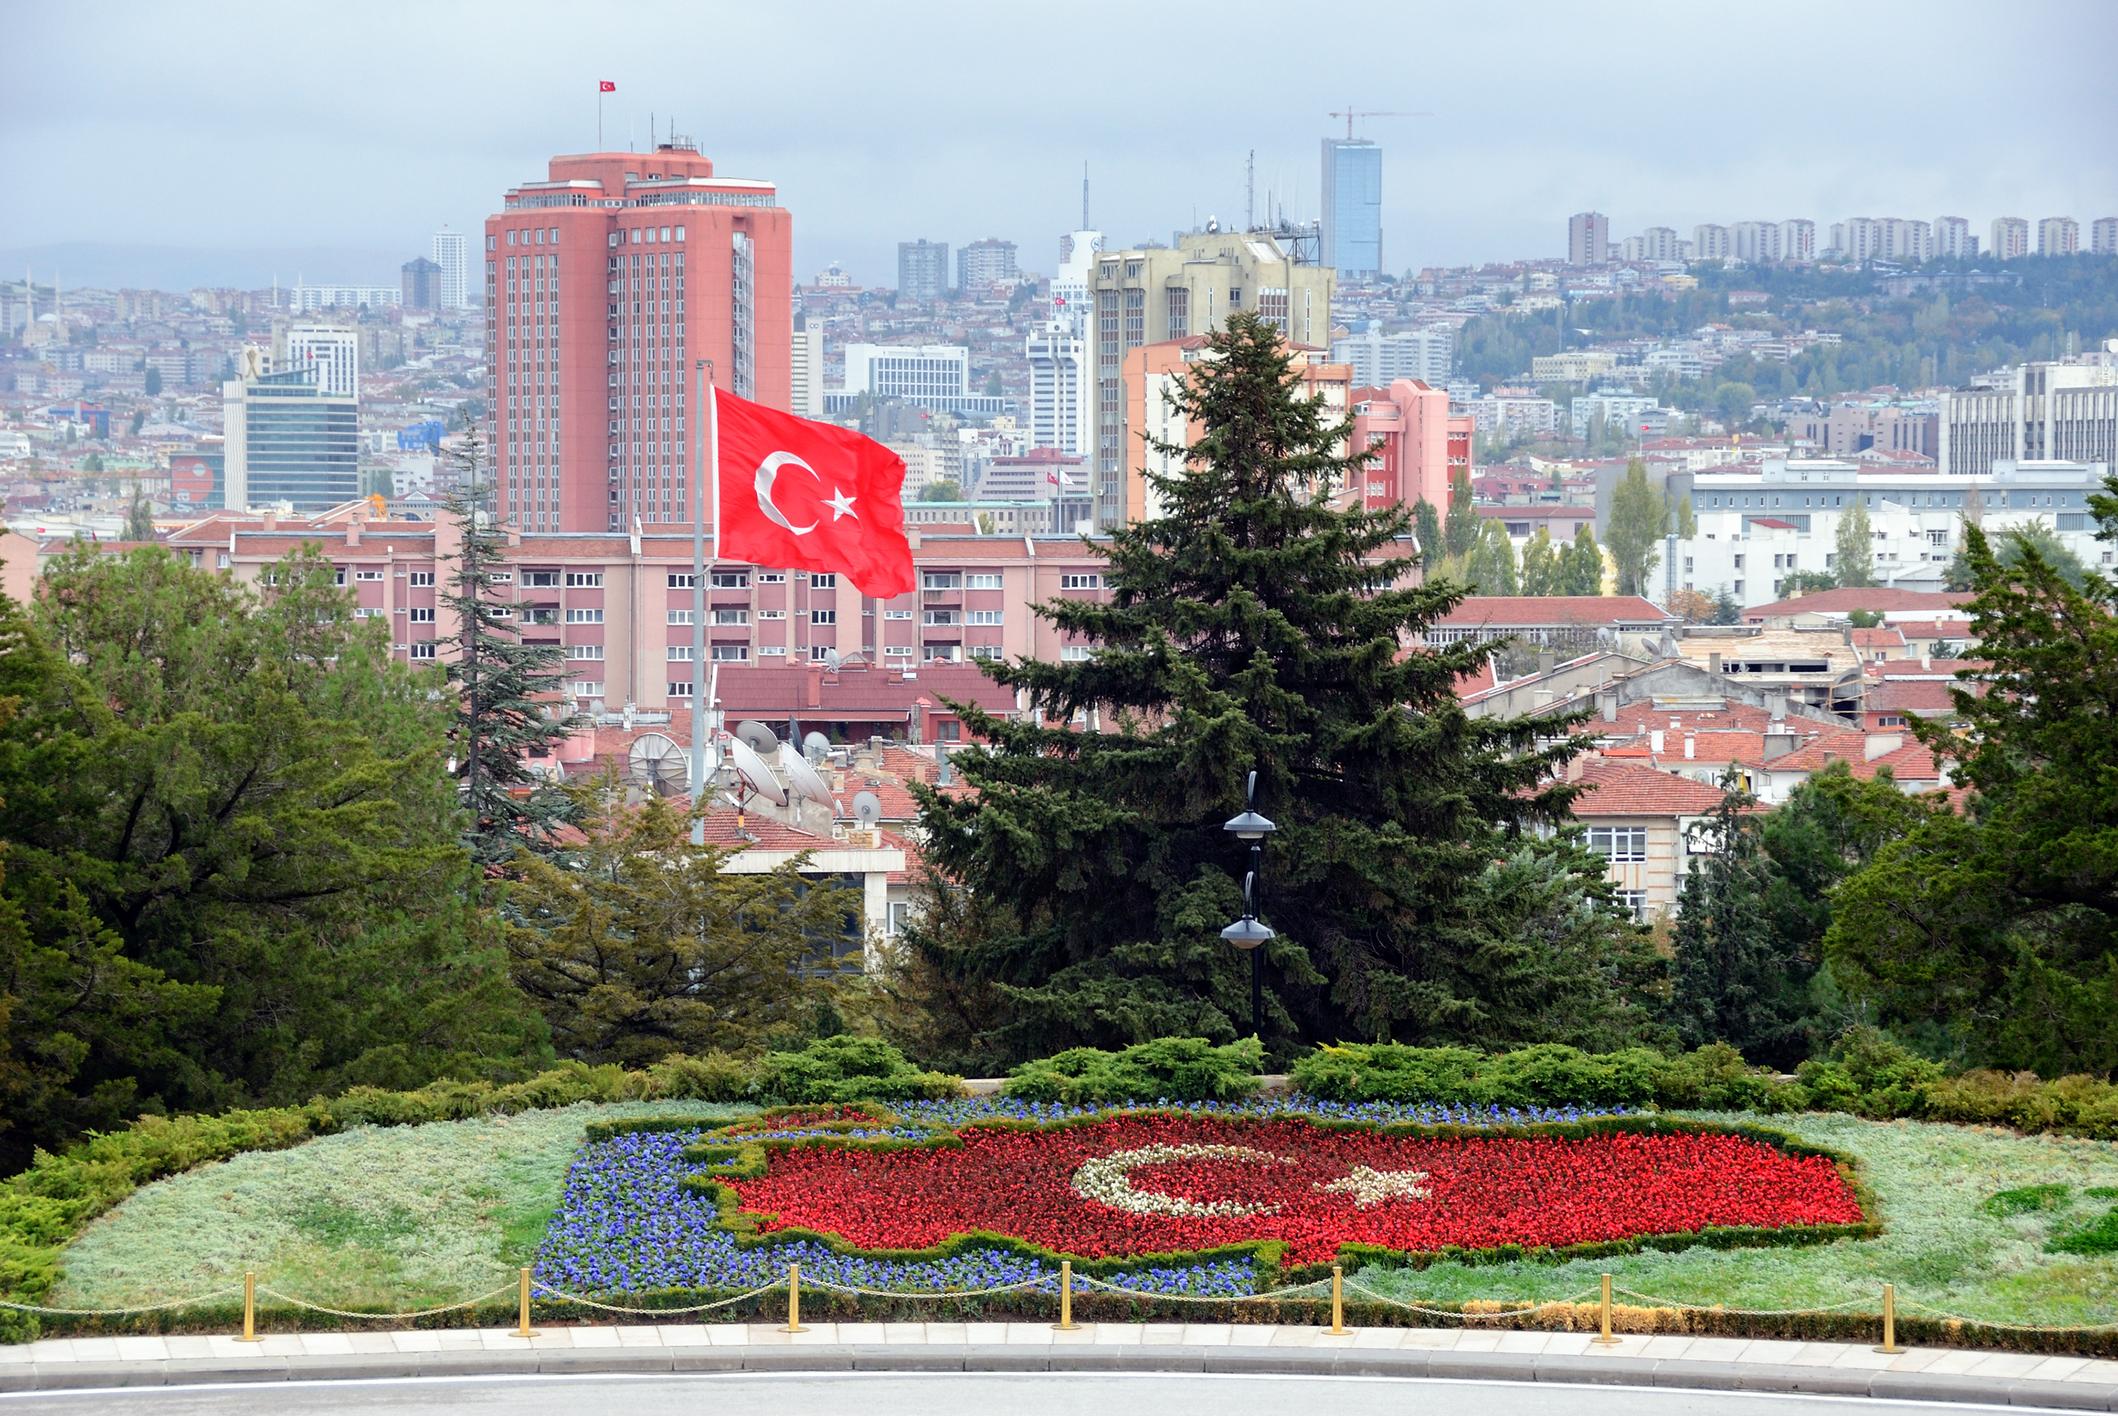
(1167, 1069)
(1544, 1075)
(1581, 565)
(2030, 1199)
(233, 872)
(1460, 534)
(1727, 609)
(846, 1069)
(1252, 626)
(2099, 1237)
(636, 944)
(1433, 544)
(1854, 551)
(1638, 521)
(1543, 565)
(1992, 938)
(1491, 568)
(510, 702)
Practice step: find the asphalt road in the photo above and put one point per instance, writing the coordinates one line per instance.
(946, 1394)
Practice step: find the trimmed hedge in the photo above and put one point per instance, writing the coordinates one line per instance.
(1167, 1069)
(42, 1208)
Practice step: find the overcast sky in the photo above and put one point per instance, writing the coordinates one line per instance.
(233, 141)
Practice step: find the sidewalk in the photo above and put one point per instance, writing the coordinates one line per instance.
(1709, 1363)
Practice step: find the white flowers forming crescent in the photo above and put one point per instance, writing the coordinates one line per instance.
(1107, 1180)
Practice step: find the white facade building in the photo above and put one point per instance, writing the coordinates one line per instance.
(2034, 412)
(1953, 240)
(1059, 388)
(452, 252)
(1758, 526)
(1660, 243)
(2103, 236)
(1588, 238)
(1711, 243)
(1380, 359)
(930, 375)
(806, 369)
(307, 299)
(331, 352)
(2011, 237)
(1077, 269)
(1757, 241)
(2058, 236)
(1798, 239)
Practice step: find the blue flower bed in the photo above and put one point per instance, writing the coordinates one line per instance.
(626, 1224)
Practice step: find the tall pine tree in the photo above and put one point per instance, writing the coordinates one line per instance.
(511, 696)
(1250, 626)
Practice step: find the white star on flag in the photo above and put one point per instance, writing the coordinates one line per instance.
(842, 505)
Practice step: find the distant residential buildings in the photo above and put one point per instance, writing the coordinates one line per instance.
(420, 280)
(984, 264)
(1060, 401)
(1353, 206)
(1588, 239)
(922, 269)
(1380, 359)
(1576, 366)
(1757, 241)
(1798, 239)
(2011, 237)
(451, 250)
(805, 383)
(2058, 236)
(1710, 242)
(2103, 236)
(307, 299)
(1153, 295)
(1953, 239)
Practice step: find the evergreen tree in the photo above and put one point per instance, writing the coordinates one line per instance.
(1638, 521)
(1461, 533)
(1433, 547)
(1687, 521)
(139, 516)
(1581, 570)
(1491, 570)
(1854, 561)
(1992, 936)
(1251, 626)
(511, 702)
(1541, 565)
(1727, 609)
(1732, 979)
(638, 944)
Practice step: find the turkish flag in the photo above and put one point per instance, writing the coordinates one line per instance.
(606, 86)
(809, 496)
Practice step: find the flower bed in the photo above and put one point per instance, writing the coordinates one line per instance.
(1200, 1199)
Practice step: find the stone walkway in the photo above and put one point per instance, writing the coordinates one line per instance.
(1713, 1363)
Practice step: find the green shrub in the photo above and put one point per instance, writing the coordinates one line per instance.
(1167, 1069)
(2101, 1237)
(2029, 1199)
(847, 1069)
(711, 1076)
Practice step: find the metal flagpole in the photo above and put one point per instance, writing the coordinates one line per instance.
(703, 468)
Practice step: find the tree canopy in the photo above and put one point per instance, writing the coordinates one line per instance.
(1251, 626)
(1638, 521)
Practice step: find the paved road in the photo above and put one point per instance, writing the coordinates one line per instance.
(946, 1394)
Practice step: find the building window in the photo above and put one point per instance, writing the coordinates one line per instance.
(680, 654)
(582, 616)
(679, 690)
(1075, 653)
(422, 614)
(588, 688)
(423, 650)
(982, 617)
(987, 581)
(897, 614)
(682, 580)
(1081, 582)
(540, 579)
(422, 579)
(823, 582)
(823, 616)
(732, 653)
(897, 651)
(772, 651)
(584, 579)
(772, 577)
(584, 651)
(1619, 843)
(680, 617)
(367, 575)
(731, 580)
(1634, 903)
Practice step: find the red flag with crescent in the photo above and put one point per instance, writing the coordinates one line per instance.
(803, 495)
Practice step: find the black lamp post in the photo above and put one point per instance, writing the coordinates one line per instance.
(1251, 933)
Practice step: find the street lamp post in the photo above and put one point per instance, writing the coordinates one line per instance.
(1250, 933)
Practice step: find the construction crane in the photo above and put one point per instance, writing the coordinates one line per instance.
(1350, 113)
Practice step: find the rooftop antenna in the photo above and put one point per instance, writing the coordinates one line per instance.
(1084, 194)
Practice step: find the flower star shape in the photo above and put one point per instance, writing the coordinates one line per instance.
(842, 505)
(1370, 1187)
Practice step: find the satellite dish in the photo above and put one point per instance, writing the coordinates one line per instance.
(750, 766)
(867, 808)
(832, 660)
(757, 737)
(655, 763)
(801, 776)
(816, 747)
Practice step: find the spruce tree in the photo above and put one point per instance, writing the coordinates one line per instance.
(1251, 626)
(511, 696)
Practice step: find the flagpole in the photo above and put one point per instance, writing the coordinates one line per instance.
(701, 686)
(599, 115)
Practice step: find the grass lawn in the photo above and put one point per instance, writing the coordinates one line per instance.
(396, 1217)
(430, 1214)
(1943, 1244)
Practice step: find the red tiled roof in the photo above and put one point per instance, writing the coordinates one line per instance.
(1884, 599)
(1956, 628)
(1533, 611)
(1922, 696)
(1929, 668)
(1628, 789)
(748, 690)
(1878, 639)
(1644, 716)
(1909, 762)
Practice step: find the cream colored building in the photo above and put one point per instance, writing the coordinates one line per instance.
(1159, 294)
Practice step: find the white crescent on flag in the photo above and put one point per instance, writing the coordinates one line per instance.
(767, 471)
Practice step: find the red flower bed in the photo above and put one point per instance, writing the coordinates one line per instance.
(1165, 1184)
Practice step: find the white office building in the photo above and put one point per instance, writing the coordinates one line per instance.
(806, 369)
(1060, 395)
(2034, 413)
(1588, 238)
(452, 252)
(307, 299)
(1077, 271)
(1380, 359)
(928, 375)
(331, 353)
(1757, 241)
(1758, 526)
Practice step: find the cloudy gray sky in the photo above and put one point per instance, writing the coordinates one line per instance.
(226, 141)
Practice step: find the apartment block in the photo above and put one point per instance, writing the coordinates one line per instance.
(2058, 236)
(2011, 237)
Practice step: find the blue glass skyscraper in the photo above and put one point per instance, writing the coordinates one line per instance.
(1353, 206)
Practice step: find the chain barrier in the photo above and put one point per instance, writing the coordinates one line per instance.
(1085, 1282)
(2006, 1327)
(120, 1312)
(1354, 1286)
(295, 1302)
(808, 1281)
(1679, 1305)
(566, 1297)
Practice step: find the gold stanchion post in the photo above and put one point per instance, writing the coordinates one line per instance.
(1066, 1321)
(1338, 1300)
(522, 1302)
(249, 1308)
(794, 1299)
(1890, 1320)
(1604, 1336)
